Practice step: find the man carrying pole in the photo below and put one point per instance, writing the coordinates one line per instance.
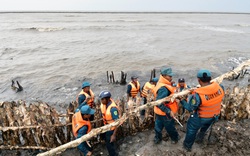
(204, 105)
(166, 110)
(81, 126)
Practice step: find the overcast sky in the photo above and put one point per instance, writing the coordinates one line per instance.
(127, 5)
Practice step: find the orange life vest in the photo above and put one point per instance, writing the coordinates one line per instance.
(78, 122)
(146, 88)
(178, 87)
(106, 113)
(211, 98)
(171, 105)
(134, 90)
(92, 95)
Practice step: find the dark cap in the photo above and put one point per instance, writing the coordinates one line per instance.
(134, 77)
(181, 80)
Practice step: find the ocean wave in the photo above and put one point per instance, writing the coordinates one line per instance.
(242, 25)
(118, 20)
(220, 29)
(236, 60)
(41, 29)
(211, 28)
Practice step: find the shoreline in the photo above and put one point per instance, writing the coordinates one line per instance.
(124, 12)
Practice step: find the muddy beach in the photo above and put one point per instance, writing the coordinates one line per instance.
(228, 138)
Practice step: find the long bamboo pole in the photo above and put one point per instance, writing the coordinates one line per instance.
(86, 137)
(106, 128)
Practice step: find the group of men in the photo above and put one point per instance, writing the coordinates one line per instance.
(203, 104)
(85, 113)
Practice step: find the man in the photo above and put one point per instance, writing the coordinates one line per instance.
(110, 114)
(86, 96)
(204, 105)
(81, 126)
(147, 89)
(181, 85)
(165, 111)
(133, 88)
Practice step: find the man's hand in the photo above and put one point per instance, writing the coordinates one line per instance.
(89, 153)
(191, 90)
(87, 98)
(171, 114)
(112, 138)
(172, 83)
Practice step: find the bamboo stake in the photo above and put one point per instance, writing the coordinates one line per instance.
(107, 76)
(23, 148)
(27, 127)
(113, 77)
(38, 126)
(105, 128)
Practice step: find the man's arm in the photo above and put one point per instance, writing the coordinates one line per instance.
(115, 116)
(83, 147)
(129, 91)
(193, 102)
(162, 93)
(81, 99)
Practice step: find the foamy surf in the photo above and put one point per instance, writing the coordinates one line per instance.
(41, 29)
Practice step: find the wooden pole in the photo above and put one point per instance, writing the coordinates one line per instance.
(151, 76)
(113, 77)
(110, 80)
(108, 76)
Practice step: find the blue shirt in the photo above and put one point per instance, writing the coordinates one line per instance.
(83, 147)
(162, 93)
(193, 103)
(80, 106)
(129, 89)
(81, 98)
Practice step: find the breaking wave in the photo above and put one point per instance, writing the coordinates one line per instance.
(220, 29)
(42, 29)
(212, 28)
(242, 25)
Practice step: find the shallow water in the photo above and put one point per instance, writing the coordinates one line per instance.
(51, 54)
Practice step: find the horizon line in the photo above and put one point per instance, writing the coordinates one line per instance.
(140, 12)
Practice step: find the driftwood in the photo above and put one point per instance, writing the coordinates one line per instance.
(105, 128)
